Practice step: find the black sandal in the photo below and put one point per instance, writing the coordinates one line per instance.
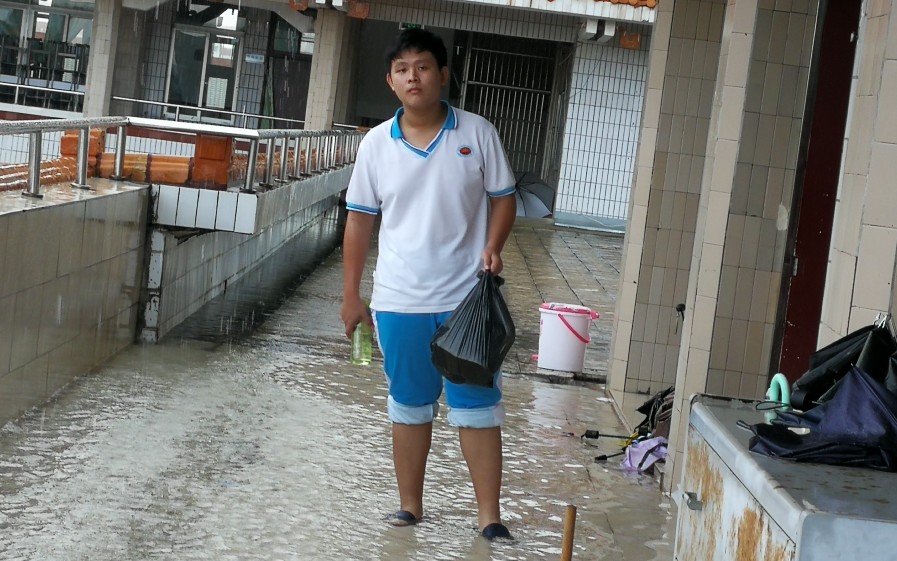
(496, 530)
(402, 518)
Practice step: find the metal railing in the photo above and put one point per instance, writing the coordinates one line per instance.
(189, 112)
(45, 96)
(330, 148)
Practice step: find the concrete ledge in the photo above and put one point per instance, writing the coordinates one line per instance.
(245, 213)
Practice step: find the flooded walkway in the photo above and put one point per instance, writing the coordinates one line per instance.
(272, 446)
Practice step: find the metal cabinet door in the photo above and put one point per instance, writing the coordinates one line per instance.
(718, 518)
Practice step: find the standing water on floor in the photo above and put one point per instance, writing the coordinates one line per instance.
(273, 446)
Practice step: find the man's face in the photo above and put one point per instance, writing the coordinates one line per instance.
(416, 78)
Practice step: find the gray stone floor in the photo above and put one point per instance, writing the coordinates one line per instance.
(275, 447)
(548, 264)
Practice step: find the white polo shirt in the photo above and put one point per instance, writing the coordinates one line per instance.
(434, 209)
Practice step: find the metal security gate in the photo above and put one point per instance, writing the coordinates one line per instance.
(557, 116)
(509, 81)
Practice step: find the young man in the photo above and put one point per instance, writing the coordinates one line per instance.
(441, 181)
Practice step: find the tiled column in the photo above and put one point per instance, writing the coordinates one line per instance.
(861, 275)
(624, 315)
(330, 25)
(669, 169)
(345, 93)
(713, 213)
(101, 67)
(127, 80)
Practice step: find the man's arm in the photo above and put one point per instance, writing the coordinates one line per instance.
(502, 213)
(356, 242)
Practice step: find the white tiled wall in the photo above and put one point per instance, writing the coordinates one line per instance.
(70, 268)
(861, 279)
(602, 128)
(187, 207)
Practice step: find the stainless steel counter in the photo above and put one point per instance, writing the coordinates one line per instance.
(805, 511)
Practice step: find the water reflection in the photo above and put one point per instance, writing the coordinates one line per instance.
(275, 447)
(249, 301)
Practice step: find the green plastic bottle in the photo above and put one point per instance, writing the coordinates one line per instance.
(362, 343)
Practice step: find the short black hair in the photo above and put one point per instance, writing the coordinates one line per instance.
(420, 40)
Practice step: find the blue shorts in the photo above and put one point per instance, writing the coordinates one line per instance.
(414, 383)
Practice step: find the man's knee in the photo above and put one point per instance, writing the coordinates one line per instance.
(411, 414)
(480, 418)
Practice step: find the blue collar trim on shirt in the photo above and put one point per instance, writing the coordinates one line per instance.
(451, 122)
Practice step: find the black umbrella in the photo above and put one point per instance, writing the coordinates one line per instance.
(868, 348)
(534, 196)
(857, 427)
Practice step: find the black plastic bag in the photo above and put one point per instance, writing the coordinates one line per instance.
(858, 428)
(657, 412)
(891, 376)
(868, 348)
(471, 345)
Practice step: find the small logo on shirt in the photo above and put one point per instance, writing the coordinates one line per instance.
(465, 151)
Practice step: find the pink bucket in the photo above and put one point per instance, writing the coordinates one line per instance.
(563, 336)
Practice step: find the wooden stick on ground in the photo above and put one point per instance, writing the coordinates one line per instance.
(569, 528)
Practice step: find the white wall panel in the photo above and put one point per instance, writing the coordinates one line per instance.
(601, 133)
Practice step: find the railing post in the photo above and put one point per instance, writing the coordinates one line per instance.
(83, 148)
(120, 140)
(306, 141)
(337, 140)
(297, 157)
(249, 184)
(325, 151)
(318, 142)
(34, 156)
(284, 156)
(269, 163)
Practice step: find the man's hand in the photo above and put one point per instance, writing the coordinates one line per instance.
(353, 311)
(492, 261)
(502, 213)
(356, 240)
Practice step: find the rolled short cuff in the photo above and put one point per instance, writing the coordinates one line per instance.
(480, 418)
(411, 415)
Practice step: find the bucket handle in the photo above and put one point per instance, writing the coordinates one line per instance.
(573, 331)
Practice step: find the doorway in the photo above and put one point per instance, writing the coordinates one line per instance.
(203, 70)
(511, 81)
(289, 72)
(816, 186)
